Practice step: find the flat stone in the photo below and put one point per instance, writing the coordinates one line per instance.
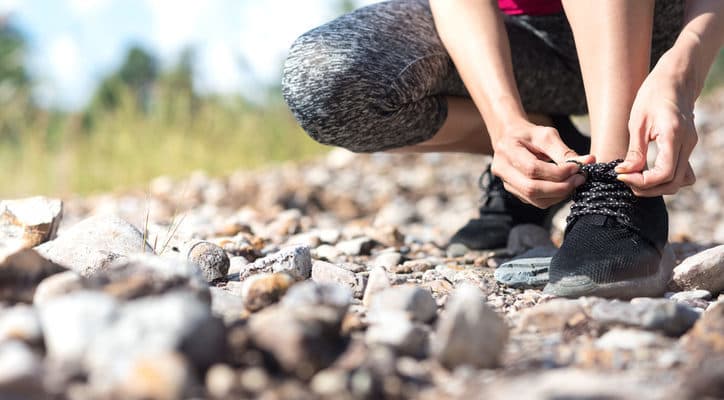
(262, 290)
(524, 272)
(20, 323)
(360, 246)
(376, 283)
(413, 301)
(627, 339)
(20, 273)
(26, 223)
(662, 315)
(387, 260)
(93, 244)
(527, 236)
(211, 259)
(703, 270)
(690, 295)
(394, 329)
(469, 332)
(295, 260)
(324, 272)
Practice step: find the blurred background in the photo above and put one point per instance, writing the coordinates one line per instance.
(99, 95)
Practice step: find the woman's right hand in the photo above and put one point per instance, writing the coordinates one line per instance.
(522, 159)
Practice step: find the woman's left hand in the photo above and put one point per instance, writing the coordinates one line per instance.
(662, 112)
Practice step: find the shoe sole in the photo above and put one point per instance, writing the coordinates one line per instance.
(650, 286)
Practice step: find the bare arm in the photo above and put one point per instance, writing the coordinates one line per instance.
(475, 36)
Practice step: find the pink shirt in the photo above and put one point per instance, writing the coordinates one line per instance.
(530, 7)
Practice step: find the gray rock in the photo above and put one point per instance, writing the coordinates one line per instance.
(627, 339)
(690, 295)
(226, 305)
(324, 272)
(394, 329)
(312, 294)
(20, 323)
(145, 275)
(329, 383)
(387, 259)
(221, 380)
(295, 260)
(58, 285)
(662, 315)
(26, 223)
(457, 250)
(72, 321)
(376, 282)
(527, 236)
(20, 273)
(416, 302)
(212, 260)
(524, 272)
(469, 332)
(704, 270)
(94, 243)
(360, 246)
(175, 322)
(20, 371)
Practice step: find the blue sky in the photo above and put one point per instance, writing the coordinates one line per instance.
(240, 43)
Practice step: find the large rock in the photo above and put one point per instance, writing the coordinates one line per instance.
(663, 315)
(20, 273)
(26, 223)
(469, 332)
(324, 272)
(415, 302)
(295, 260)
(94, 243)
(703, 270)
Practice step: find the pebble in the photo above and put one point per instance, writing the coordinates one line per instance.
(226, 305)
(356, 247)
(690, 295)
(413, 301)
(469, 332)
(262, 290)
(387, 259)
(329, 382)
(377, 282)
(327, 252)
(394, 329)
(221, 381)
(704, 270)
(93, 244)
(26, 223)
(57, 285)
(312, 294)
(212, 260)
(295, 260)
(551, 316)
(524, 272)
(164, 375)
(20, 273)
(324, 272)
(20, 323)
(662, 315)
(20, 371)
(627, 339)
(455, 250)
(528, 236)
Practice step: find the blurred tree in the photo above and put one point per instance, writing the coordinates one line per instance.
(175, 87)
(345, 6)
(16, 104)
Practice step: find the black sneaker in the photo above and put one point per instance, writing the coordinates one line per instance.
(500, 211)
(614, 241)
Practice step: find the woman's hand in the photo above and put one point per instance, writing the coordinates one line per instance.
(662, 112)
(522, 159)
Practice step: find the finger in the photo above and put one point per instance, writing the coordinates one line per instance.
(534, 168)
(684, 177)
(549, 142)
(638, 145)
(533, 190)
(663, 171)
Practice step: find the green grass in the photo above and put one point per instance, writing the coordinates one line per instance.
(127, 148)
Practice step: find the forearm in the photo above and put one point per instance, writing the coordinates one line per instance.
(474, 34)
(702, 36)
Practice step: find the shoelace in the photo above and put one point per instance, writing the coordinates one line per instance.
(603, 194)
(490, 186)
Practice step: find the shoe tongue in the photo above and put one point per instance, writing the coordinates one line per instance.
(600, 220)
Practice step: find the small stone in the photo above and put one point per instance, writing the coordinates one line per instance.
(413, 266)
(627, 339)
(413, 301)
(652, 314)
(57, 285)
(527, 236)
(551, 316)
(524, 272)
(295, 260)
(149, 376)
(329, 382)
(20, 323)
(20, 273)
(262, 290)
(324, 272)
(387, 260)
(394, 329)
(220, 381)
(376, 282)
(312, 294)
(254, 379)
(691, 295)
(72, 321)
(226, 305)
(456, 250)
(469, 332)
(360, 246)
(20, 371)
(94, 243)
(327, 252)
(703, 270)
(236, 264)
(212, 260)
(26, 223)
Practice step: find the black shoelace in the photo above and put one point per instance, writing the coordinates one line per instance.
(491, 186)
(603, 194)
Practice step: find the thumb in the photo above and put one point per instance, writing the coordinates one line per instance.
(636, 156)
(557, 150)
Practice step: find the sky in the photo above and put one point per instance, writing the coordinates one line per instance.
(240, 44)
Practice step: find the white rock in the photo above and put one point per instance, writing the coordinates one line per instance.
(295, 260)
(57, 285)
(324, 272)
(387, 260)
(19, 365)
(627, 339)
(29, 222)
(415, 302)
(376, 282)
(394, 329)
(704, 270)
(20, 323)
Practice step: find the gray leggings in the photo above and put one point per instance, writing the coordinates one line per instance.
(377, 78)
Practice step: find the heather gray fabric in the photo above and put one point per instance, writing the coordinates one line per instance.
(377, 78)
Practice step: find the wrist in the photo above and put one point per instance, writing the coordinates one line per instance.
(680, 68)
(504, 116)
